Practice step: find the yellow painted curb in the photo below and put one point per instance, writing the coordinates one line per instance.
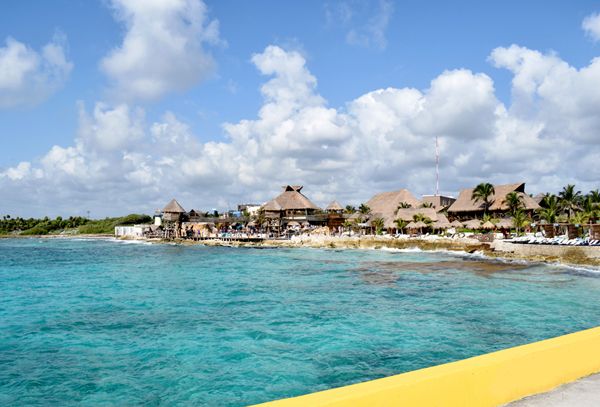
(488, 380)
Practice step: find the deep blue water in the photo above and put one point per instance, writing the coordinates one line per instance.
(109, 323)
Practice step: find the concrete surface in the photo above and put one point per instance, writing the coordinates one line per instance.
(581, 393)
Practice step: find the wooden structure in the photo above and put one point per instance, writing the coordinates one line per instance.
(291, 205)
(173, 214)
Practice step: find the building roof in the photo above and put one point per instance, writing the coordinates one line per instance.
(408, 214)
(173, 207)
(334, 206)
(386, 203)
(290, 199)
(464, 203)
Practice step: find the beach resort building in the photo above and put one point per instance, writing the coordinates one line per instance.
(467, 208)
(438, 202)
(292, 207)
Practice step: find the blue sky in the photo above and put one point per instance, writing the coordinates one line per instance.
(352, 48)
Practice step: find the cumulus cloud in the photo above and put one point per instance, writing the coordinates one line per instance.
(28, 77)
(382, 140)
(163, 48)
(591, 26)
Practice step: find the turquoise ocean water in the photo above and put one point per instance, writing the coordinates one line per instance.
(110, 323)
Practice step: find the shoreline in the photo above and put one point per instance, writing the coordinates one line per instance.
(562, 255)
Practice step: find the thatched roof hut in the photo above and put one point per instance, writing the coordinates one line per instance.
(464, 205)
(173, 211)
(504, 223)
(291, 199)
(472, 224)
(488, 225)
(334, 206)
(173, 207)
(407, 214)
(385, 205)
(456, 224)
(442, 222)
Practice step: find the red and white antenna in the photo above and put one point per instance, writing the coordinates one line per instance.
(437, 168)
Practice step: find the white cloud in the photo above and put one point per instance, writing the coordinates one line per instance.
(163, 48)
(372, 33)
(382, 140)
(28, 77)
(591, 26)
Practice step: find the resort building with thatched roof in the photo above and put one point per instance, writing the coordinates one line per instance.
(173, 211)
(438, 202)
(334, 206)
(466, 208)
(292, 205)
(386, 204)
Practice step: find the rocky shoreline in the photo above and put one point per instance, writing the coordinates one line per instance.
(571, 255)
(566, 255)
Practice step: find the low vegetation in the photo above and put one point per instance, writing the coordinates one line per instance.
(71, 225)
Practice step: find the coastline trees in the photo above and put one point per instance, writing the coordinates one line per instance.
(569, 199)
(400, 224)
(483, 192)
(514, 201)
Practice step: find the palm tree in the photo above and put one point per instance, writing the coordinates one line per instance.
(347, 225)
(569, 198)
(514, 201)
(427, 205)
(549, 214)
(378, 224)
(260, 219)
(580, 218)
(419, 217)
(595, 196)
(364, 209)
(483, 192)
(404, 205)
(400, 224)
(349, 209)
(519, 219)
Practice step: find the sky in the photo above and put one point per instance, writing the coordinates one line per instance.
(117, 106)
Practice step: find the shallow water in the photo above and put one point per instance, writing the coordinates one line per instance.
(103, 322)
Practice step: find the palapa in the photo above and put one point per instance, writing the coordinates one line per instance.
(472, 224)
(488, 225)
(290, 199)
(173, 207)
(465, 203)
(456, 224)
(334, 206)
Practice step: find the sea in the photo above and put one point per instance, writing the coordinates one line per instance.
(118, 323)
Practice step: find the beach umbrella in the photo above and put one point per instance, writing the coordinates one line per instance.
(472, 224)
(488, 225)
(456, 224)
(293, 224)
(412, 225)
(505, 223)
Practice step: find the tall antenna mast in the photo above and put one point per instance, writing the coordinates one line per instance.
(437, 168)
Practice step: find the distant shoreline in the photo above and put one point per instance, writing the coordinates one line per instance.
(564, 255)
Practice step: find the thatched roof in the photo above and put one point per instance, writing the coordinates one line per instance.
(505, 223)
(456, 223)
(290, 199)
(385, 204)
(408, 214)
(416, 225)
(464, 203)
(334, 206)
(173, 207)
(488, 225)
(442, 222)
(472, 224)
